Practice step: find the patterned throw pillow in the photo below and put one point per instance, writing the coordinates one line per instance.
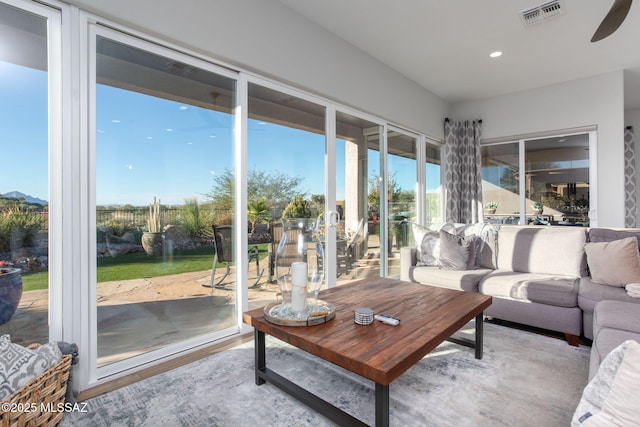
(428, 245)
(19, 365)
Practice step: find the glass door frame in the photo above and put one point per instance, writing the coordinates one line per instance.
(593, 173)
(59, 101)
(420, 184)
(89, 340)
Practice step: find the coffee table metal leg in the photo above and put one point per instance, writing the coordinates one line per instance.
(382, 405)
(479, 335)
(476, 344)
(261, 362)
(323, 407)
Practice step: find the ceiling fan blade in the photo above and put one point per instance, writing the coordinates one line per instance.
(613, 20)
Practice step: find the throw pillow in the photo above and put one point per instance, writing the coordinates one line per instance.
(19, 365)
(456, 252)
(614, 263)
(620, 407)
(476, 232)
(428, 246)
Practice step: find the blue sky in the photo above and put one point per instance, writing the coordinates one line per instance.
(148, 146)
(23, 126)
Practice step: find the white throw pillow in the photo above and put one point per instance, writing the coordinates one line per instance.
(614, 263)
(621, 407)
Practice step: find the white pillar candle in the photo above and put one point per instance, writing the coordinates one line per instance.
(298, 285)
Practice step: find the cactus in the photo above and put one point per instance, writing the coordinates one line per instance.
(154, 222)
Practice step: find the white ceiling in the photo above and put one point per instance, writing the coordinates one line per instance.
(444, 45)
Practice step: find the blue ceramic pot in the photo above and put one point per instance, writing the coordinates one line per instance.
(10, 292)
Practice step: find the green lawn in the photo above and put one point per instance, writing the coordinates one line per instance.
(138, 264)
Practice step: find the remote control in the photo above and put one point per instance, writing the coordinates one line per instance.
(389, 320)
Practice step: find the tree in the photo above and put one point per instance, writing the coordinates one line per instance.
(221, 195)
(276, 187)
(257, 210)
(393, 190)
(298, 208)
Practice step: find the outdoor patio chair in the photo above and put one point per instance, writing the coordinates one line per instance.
(276, 231)
(355, 242)
(223, 252)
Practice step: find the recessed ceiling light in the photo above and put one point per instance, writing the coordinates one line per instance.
(495, 54)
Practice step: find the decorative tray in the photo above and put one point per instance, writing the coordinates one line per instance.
(314, 314)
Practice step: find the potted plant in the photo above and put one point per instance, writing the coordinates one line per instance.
(537, 207)
(152, 239)
(490, 208)
(10, 291)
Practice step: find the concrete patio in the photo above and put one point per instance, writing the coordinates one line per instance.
(141, 315)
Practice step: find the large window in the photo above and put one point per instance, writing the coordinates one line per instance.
(24, 193)
(358, 161)
(433, 183)
(401, 180)
(285, 168)
(163, 140)
(540, 181)
(500, 184)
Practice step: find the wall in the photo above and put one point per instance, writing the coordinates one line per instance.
(265, 36)
(593, 101)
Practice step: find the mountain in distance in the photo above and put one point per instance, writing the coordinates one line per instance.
(26, 197)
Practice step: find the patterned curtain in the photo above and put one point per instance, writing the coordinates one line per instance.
(463, 179)
(629, 179)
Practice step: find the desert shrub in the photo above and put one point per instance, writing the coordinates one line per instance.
(19, 227)
(298, 208)
(224, 219)
(118, 227)
(194, 221)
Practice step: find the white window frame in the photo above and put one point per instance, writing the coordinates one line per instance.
(593, 161)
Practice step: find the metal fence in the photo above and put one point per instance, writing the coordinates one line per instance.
(137, 217)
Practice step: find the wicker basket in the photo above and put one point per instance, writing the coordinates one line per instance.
(46, 391)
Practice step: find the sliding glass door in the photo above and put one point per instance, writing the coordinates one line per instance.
(163, 140)
(30, 123)
(357, 234)
(285, 173)
(538, 181)
(401, 183)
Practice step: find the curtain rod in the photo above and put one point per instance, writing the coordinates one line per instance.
(446, 119)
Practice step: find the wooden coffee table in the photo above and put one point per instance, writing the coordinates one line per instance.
(379, 352)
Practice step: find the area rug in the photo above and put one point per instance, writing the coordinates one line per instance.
(524, 379)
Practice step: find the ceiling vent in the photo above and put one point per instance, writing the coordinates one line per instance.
(539, 13)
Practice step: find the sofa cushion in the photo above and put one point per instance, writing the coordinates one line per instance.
(545, 250)
(617, 315)
(561, 291)
(608, 235)
(465, 280)
(615, 263)
(591, 293)
(457, 252)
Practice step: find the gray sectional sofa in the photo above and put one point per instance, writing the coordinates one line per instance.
(537, 275)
